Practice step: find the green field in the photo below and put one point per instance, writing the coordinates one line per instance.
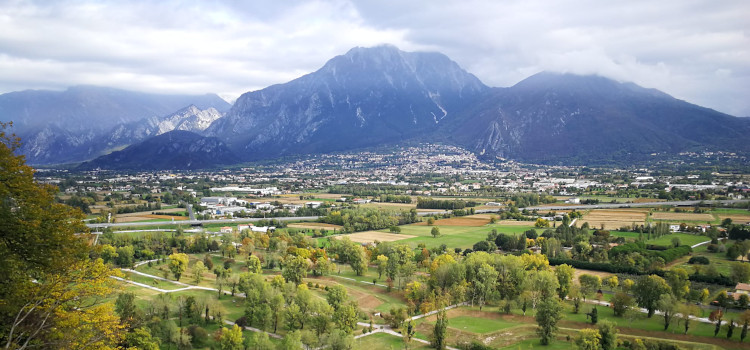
(456, 236)
(685, 239)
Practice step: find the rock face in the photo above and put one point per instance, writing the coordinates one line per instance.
(176, 149)
(366, 97)
(81, 122)
(552, 117)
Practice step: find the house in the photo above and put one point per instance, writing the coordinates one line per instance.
(264, 229)
(243, 227)
(225, 229)
(674, 228)
(574, 200)
(313, 204)
(493, 204)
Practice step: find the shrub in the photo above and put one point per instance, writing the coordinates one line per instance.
(702, 260)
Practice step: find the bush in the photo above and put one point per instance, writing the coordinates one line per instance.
(242, 322)
(702, 260)
(198, 336)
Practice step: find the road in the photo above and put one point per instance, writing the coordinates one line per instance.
(190, 211)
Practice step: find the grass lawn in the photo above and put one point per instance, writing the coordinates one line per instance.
(384, 341)
(456, 236)
(151, 282)
(685, 239)
(479, 325)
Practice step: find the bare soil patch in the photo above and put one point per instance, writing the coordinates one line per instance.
(460, 221)
(603, 275)
(682, 216)
(372, 236)
(614, 218)
(736, 218)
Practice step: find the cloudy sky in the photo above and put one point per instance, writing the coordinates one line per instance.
(698, 51)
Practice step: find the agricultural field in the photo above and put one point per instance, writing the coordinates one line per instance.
(680, 217)
(613, 219)
(147, 216)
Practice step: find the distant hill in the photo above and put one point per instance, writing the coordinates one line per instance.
(67, 126)
(552, 117)
(176, 149)
(382, 96)
(368, 96)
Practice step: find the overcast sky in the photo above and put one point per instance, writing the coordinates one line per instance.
(698, 51)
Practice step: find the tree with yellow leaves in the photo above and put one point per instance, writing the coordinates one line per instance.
(51, 293)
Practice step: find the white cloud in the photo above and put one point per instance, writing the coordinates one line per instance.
(695, 50)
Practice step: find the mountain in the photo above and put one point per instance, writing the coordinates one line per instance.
(176, 149)
(66, 126)
(368, 96)
(551, 117)
(190, 118)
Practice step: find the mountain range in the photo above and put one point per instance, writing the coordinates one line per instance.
(369, 97)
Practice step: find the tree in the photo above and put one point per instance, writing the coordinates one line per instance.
(621, 303)
(382, 262)
(408, 333)
(668, 305)
(51, 293)
(261, 342)
(231, 338)
(679, 282)
(340, 340)
(140, 338)
(291, 341)
(439, 340)
(575, 296)
(745, 319)
(484, 284)
(345, 318)
(337, 296)
(125, 307)
(608, 333)
(358, 260)
(588, 339)
(198, 270)
(716, 316)
(564, 274)
(178, 264)
(730, 329)
(648, 290)
(254, 265)
(612, 281)
(541, 223)
(589, 284)
(435, 232)
(548, 314)
(740, 272)
(430, 221)
(686, 311)
(594, 315)
(295, 269)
